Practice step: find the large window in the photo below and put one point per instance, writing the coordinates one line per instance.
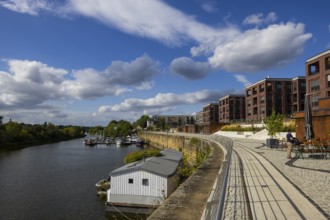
(314, 85)
(327, 63)
(313, 68)
(130, 181)
(328, 79)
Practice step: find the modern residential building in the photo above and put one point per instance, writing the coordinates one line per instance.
(232, 108)
(199, 118)
(144, 184)
(298, 94)
(210, 118)
(318, 77)
(284, 95)
(173, 121)
(318, 89)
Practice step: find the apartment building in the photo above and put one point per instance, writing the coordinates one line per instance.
(232, 108)
(318, 77)
(173, 121)
(210, 118)
(284, 95)
(318, 87)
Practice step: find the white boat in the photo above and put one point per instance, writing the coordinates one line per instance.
(119, 141)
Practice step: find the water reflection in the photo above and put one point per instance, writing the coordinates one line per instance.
(57, 181)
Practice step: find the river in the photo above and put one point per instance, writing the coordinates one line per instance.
(56, 181)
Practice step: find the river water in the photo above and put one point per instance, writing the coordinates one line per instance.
(56, 181)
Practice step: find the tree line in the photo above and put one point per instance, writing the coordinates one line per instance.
(17, 135)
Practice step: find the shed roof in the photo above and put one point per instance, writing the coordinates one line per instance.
(163, 166)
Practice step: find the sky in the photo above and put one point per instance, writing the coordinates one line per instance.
(88, 62)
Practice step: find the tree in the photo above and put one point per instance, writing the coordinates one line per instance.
(142, 121)
(273, 123)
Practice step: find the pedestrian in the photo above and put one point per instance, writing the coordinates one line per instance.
(290, 140)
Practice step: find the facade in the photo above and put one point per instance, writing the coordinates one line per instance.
(318, 88)
(318, 77)
(145, 183)
(298, 94)
(274, 94)
(211, 118)
(232, 108)
(173, 121)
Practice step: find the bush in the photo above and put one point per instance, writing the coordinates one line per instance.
(139, 155)
(239, 128)
(291, 126)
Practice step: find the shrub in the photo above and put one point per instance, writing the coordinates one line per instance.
(139, 155)
(291, 126)
(239, 128)
(273, 123)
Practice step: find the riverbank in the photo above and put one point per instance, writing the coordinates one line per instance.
(18, 146)
(189, 199)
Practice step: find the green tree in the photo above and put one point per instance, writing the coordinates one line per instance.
(120, 128)
(142, 121)
(273, 123)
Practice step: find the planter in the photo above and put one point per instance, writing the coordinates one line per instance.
(272, 142)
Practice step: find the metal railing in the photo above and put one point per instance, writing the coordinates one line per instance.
(216, 202)
(214, 208)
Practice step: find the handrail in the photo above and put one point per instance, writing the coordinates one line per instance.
(221, 183)
(215, 205)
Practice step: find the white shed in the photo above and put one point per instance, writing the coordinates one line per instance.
(145, 183)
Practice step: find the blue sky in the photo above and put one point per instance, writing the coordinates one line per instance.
(87, 62)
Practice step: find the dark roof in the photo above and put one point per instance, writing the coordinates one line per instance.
(163, 166)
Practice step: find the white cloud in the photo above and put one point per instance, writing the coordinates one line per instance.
(228, 48)
(190, 69)
(152, 19)
(260, 49)
(30, 84)
(209, 6)
(31, 7)
(163, 100)
(242, 79)
(258, 19)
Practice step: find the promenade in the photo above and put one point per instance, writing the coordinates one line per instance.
(264, 184)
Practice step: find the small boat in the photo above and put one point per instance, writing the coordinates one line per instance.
(103, 183)
(90, 142)
(118, 141)
(139, 142)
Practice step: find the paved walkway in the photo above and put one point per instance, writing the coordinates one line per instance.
(276, 187)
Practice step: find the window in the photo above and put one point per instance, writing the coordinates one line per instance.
(262, 99)
(328, 78)
(313, 68)
(327, 63)
(315, 101)
(145, 182)
(130, 181)
(294, 87)
(279, 87)
(315, 85)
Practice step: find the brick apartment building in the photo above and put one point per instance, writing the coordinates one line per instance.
(284, 95)
(210, 118)
(318, 77)
(232, 108)
(173, 121)
(318, 87)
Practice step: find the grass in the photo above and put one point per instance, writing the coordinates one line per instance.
(139, 155)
